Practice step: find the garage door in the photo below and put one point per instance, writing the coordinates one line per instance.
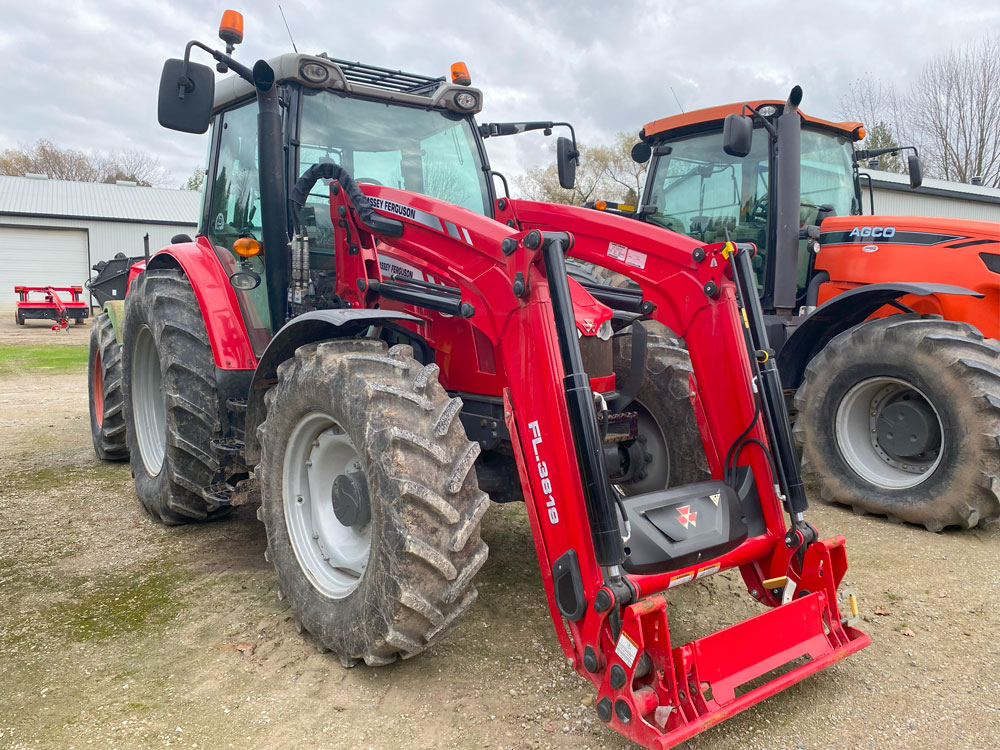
(41, 257)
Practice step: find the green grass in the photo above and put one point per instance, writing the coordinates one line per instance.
(19, 360)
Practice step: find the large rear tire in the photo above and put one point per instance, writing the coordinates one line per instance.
(171, 401)
(107, 402)
(901, 416)
(369, 499)
(667, 424)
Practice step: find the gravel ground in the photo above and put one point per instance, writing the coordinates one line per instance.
(117, 632)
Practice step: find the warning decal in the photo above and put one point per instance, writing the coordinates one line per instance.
(679, 579)
(708, 570)
(635, 258)
(626, 649)
(616, 251)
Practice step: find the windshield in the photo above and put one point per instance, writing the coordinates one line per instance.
(427, 151)
(701, 191)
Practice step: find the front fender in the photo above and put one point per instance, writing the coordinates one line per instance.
(841, 313)
(307, 328)
(227, 331)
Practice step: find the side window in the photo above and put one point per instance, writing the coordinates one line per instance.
(236, 191)
(234, 198)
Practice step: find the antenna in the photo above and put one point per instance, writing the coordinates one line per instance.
(671, 91)
(287, 29)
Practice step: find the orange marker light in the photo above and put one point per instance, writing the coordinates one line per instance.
(600, 205)
(231, 27)
(860, 134)
(246, 247)
(460, 74)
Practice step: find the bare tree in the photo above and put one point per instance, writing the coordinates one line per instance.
(131, 165)
(877, 106)
(196, 181)
(605, 172)
(44, 157)
(954, 105)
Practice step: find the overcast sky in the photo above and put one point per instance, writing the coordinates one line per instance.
(85, 74)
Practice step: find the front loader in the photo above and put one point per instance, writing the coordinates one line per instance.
(421, 337)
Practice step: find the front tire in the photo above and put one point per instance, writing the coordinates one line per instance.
(171, 401)
(107, 401)
(901, 416)
(390, 575)
(667, 424)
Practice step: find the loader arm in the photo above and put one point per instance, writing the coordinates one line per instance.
(611, 621)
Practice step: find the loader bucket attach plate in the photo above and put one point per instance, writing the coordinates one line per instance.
(698, 685)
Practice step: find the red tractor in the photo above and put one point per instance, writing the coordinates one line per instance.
(370, 358)
(885, 326)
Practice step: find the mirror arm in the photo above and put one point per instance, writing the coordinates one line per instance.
(494, 129)
(184, 83)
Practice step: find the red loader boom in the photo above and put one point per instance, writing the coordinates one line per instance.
(511, 285)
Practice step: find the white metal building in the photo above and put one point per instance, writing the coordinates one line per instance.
(893, 197)
(53, 231)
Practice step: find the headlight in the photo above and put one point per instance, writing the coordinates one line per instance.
(604, 331)
(767, 110)
(314, 72)
(465, 100)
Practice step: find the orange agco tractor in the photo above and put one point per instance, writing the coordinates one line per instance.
(885, 327)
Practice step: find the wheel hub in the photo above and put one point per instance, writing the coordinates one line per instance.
(327, 505)
(889, 433)
(907, 428)
(351, 504)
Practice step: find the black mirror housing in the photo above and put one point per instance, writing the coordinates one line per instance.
(191, 112)
(737, 135)
(566, 157)
(641, 152)
(916, 173)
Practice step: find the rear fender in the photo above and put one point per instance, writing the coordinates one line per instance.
(318, 325)
(841, 313)
(227, 332)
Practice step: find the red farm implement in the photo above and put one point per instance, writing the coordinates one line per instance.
(50, 303)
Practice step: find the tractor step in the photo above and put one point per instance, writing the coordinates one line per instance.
(229, 448)
(225, 493)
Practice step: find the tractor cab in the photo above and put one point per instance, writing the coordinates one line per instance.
(387, 127)
(696, 187)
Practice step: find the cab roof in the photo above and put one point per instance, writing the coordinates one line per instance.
(710, 118)
(355, 79)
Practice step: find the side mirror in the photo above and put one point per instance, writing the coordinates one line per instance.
(737, 135)
(641, 152)
(916, 174)
(566, 157)
(185, 101)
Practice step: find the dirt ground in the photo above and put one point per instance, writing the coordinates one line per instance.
(118, 632)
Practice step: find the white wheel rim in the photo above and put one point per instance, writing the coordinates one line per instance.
(332, 556)
(855, 434)
(148, 402)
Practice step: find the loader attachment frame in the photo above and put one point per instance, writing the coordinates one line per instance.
(509, 283)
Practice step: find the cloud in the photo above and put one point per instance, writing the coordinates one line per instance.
(85, 75)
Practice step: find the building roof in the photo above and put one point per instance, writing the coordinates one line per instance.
(944, 188)
(711, 118)
(30, 196)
